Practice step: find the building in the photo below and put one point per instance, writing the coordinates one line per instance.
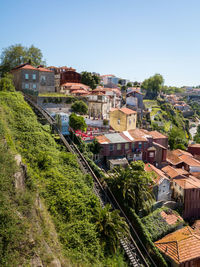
(70, 76)
(57, 74)
(161, 189)
(181, 248)
(123, 119)
(98, 106)
(134, 100)
(137, 144)
(186, 190)
(114, 95)
(194, 149)
(27, 77)
(76, 89)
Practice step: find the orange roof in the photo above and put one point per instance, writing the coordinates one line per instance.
(25, 66)
(173, 159)
(180, 152)
(79, 92)
(174, 172)
(170, 218)
(181, 246)
(126, 111)
(158, 173)
(43, 69)
(156, 135)
(190, 160)
(188, 182)
(139, 134)
(102, 139)
(75, 84)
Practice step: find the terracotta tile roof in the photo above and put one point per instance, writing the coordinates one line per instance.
(170, 218)
(25, 66)
(172, 158)
(196, 174)
(157, 135)
(190, 160)
(181, 246)
(179, 152)
(174, 172)
(102, 139)
(79, 92)
(138, 135)
(187, 182)
(43, 69)
(79, 85)
(126, 111)
(159, 175)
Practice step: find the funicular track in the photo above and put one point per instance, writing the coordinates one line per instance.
(134, 254)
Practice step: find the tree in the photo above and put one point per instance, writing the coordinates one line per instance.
(177, 138)
(15, 55)
(136, 84)
(129, 84)
(94, 147)
(153, 86)
(80, 107)
(77, 122)
(111, 227)
(6, 83)
(132, 185)
(92, 80)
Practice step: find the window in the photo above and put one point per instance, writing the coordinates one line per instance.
(140, 145)
(129, 121)
(118, 121)
(34, 86)
(26, 76)
(151, 154)
(26, 86)
(34, 76)
(43, 79)
(111, 147)
(127, 146)
(119, 146)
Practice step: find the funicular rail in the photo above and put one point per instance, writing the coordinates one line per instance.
(129, 245)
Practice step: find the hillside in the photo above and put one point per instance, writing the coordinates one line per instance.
(52, 214)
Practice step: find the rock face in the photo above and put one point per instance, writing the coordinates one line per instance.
(20, 175)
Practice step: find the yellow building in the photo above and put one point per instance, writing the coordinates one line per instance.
(123, 119)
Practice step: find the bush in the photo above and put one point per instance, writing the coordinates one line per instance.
(79, 107)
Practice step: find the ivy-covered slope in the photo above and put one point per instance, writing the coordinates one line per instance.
(55, 175)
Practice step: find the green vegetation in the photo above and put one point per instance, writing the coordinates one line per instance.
(6, 83)
(171, 122)
(92, 80)
(153, 86)
(55, 175)
(52, 94)
(79, 107)
(15, 55)
(197, 135)
(132, 188)
(157, 226)
(77, 122)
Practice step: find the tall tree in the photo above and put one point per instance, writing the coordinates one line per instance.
(80, 107)
(132, 185)
(111, 227)
(77, 122)
(92, 80)
(15, 55)
(153, 85)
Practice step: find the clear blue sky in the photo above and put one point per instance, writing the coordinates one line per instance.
(132, 39)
